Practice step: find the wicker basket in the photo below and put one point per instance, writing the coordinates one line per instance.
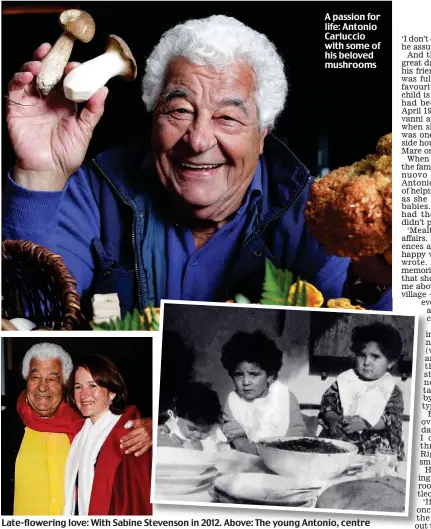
(37, 285)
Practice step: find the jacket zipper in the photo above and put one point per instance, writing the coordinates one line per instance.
(260, 232)
(125, 201)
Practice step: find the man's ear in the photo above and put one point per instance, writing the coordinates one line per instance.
(262, 139)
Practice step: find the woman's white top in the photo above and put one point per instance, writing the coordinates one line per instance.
(81, 460)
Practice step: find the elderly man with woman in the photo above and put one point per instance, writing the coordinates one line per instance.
(196, 217)
(50, 425)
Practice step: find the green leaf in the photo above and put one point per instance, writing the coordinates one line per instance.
(296, 292)
(103, 326)
(127, 321)
(146, 322)
(303, 297)
(276, 285)
(134, 321)
(134, 324)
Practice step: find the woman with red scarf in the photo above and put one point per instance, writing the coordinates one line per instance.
(99, 479)
(42, 440)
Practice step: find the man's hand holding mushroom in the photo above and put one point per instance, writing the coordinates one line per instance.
(49, 137)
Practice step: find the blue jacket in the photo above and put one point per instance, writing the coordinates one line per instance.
(109, 224)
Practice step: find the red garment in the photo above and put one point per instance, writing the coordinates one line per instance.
(122, 482)
(66, 419)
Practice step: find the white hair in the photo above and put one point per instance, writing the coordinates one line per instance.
(217, 41)
(48, 351)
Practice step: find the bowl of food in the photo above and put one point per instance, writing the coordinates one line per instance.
(184, 460)
(309, 461)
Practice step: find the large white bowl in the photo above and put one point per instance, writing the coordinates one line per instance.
(306, 468)
(183, 459)
(178, 476)
(177, 488)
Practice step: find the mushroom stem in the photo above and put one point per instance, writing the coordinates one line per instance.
(77, 24)
(54, 63)
(84, 81)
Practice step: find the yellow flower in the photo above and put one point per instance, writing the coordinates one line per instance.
(314, 296)
(342, 303)
(149, 315)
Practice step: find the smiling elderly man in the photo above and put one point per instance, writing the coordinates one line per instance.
(50, 426)
(195, 218)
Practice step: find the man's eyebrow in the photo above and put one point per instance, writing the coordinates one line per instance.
(236, 102)
(34, 370)
(172, 94)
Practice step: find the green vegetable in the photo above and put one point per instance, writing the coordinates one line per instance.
(147, 321)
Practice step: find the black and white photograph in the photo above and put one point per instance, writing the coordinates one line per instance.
(76, 426)
(303, 409)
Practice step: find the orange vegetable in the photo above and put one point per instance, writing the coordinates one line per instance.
(314, 296)
(342, 303)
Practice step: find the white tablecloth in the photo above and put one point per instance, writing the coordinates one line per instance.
(234, 461)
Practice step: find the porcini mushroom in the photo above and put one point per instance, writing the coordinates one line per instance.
(84, 81)
(77, 24)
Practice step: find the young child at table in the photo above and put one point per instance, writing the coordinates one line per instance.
(194, 420)
(364, 405)
(260, 406)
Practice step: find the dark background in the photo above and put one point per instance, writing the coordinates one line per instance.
(342, 111)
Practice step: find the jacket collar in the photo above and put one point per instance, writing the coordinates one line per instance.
(283, 179)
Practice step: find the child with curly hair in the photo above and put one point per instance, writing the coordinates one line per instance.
(364, 405)
(194, 420)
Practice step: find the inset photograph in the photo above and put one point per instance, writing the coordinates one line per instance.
(76, 427)
(285, 408)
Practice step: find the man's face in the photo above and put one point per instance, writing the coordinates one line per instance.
(45, 386)
(206, 140)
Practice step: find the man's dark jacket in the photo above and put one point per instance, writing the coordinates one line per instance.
(110, 224)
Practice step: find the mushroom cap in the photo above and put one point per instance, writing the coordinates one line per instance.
(78, 23)
(117, 43)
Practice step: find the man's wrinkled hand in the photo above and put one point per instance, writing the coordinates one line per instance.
(140, 439)
(48, 135)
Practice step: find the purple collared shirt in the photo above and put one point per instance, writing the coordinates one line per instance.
(195, 275)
